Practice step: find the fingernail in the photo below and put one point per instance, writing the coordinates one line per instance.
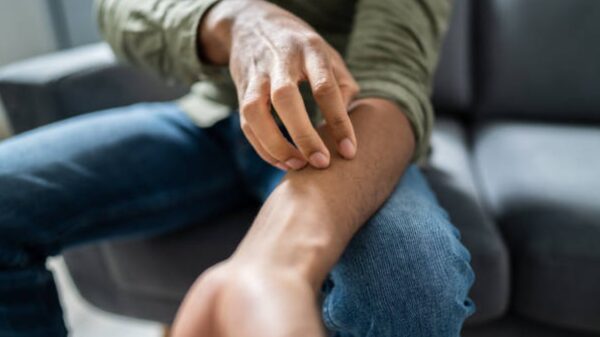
(295, 163)
(281, 166)
(318, 160)
(347, 148)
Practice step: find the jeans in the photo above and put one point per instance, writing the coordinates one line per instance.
(147, 169)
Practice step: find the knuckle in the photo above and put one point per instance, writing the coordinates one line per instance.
(314, 40)
(306, 141)
(250, 104)
(338, 121)
(350, 89)
(283, 92)
(245, 126)
(324, 87)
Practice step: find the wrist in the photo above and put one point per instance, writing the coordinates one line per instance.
(214, 30)
(292, 236)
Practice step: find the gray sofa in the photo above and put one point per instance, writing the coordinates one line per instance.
(515, 161)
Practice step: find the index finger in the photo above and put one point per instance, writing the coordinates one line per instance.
(328, 96)
(288, 103)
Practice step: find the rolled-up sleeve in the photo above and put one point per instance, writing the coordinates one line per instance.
(392, 53)
(160, 35)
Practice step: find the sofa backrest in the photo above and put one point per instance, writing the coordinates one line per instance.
(52, 87)
(453, 91)
(538, 59)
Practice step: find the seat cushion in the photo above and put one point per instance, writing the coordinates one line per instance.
(451, 177)
(542, 183)
(147, 278)
(515, 326)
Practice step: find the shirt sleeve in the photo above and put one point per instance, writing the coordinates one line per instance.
(392, 53)
(160, 35)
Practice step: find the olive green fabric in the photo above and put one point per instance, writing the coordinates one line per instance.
(391, 47)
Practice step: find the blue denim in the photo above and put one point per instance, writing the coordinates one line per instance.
(147, 169)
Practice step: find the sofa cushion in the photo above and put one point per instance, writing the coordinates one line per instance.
(542, 183)
(515, 326)
(148, 277)
(451, 177)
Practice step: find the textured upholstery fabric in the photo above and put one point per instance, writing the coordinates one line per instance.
(27, 88)
(539, 59)
(514, 326)
(147, 278)
(452, 89)
(542, 183)
(60, 85)
(451, 177)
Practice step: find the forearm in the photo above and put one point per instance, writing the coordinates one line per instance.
(306, 223)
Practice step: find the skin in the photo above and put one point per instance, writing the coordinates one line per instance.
(269, 286)
(269, 51)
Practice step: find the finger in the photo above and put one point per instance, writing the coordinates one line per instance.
(289, 105)
(346, 82)
(328, 96)
(255, 109)
(260, 150)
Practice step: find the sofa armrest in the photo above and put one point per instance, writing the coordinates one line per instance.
(52, 87)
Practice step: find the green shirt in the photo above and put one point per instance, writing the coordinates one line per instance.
(390, 46)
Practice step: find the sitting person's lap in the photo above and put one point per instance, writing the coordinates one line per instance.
(147, 169)
(138, 170)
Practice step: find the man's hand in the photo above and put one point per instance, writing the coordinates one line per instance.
(270, 51)
(234, 300)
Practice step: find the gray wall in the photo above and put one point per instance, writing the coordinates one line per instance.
(33, 27)
(26, 29)
(74, 22)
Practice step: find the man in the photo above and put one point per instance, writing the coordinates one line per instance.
(350, 238)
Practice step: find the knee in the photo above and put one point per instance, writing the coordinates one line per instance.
(403, 273)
